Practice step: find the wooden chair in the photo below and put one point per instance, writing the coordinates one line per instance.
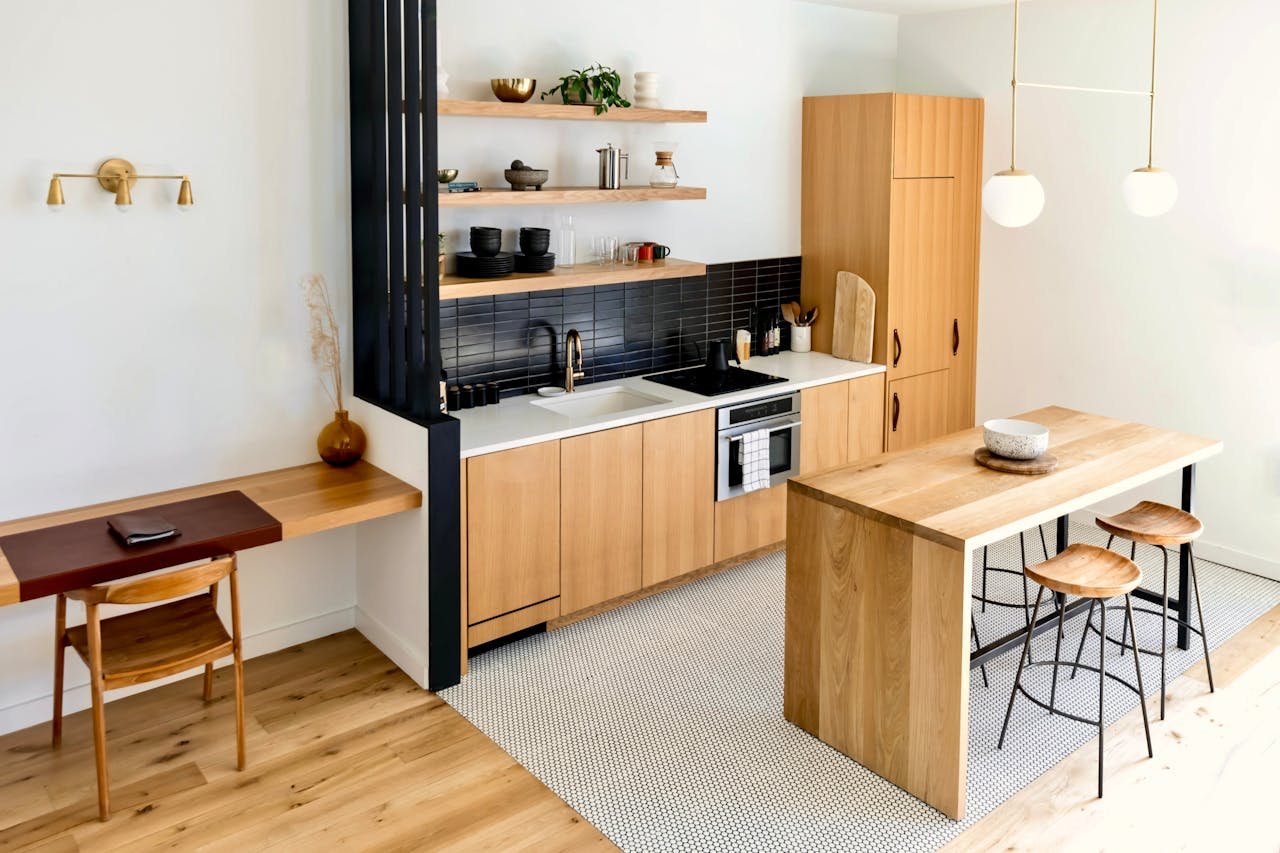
(148, 644)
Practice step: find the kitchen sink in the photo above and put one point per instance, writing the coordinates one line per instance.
(604, 401)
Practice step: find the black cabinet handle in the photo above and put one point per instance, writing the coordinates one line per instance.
(955, 336)
(897, 348)
(896, 409)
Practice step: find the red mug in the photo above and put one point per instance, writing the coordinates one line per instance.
(644, 253)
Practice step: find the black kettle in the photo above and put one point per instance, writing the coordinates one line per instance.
(719, 353)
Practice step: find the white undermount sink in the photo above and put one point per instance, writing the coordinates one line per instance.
(603, 401)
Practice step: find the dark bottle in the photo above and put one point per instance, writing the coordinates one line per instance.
(775, 331)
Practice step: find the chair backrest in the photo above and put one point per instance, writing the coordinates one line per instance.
(163, 587)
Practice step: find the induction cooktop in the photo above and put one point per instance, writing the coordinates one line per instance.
(710, 382)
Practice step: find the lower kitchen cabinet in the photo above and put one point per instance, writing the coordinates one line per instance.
(513, 531)
(751, 521)
(866, 416)
(824, 427)
(601, 489)
(918, 409)
(679, 495)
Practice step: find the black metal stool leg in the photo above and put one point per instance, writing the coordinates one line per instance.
(1017, 679)
(1043, 543)
(984, 579)
(1102, 688)
(1204, 639)
(1084, 632)
(1124, 637)
(1164, 627)
(1026, 596)
(1137, 665)
(973, 629)
(1057, 653)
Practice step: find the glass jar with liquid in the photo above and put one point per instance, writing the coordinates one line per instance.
(664, 172)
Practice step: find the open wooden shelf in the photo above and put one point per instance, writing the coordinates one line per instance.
(581, 275)
(539, 109)
(569, 195)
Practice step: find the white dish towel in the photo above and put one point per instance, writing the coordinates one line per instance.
(753, 454)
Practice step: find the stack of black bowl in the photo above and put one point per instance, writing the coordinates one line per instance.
(533, 255)
(486, 258)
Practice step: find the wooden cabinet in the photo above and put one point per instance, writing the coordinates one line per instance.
(601, 487)
(891, 190)
(917, 409)
(866, 416)
(824, 427)
(679, 495)
(513, 531)
(751, 521)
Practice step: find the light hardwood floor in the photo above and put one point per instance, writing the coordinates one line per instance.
(344, 748)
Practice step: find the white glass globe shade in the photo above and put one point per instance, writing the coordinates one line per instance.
(1150, 192)
(124, 208)
(1013, 199)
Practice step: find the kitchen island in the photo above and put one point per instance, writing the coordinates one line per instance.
(879, 573)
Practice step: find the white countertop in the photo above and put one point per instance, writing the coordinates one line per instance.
(518, 421)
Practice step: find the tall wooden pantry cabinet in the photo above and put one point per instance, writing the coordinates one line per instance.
(891, 189)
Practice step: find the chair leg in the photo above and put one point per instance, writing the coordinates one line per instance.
(1102, 689)
(208, 682)
(1124, 638)
(1017, 680)
(1164, 627)
(59, 666)
(1084, 632)
(1137, 665)
(973, 629)
(99, 714)
(238, 653)
(1204, 639)
(1057, 653)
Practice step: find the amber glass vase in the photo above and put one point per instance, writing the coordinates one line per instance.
(342, 441)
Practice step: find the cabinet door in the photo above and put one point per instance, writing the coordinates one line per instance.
(751, 521)
(866, 416)
(964, 295)
(600, 516)
(917, 410)
(513, 529)
(824, 427)
(679, 495)
(925, 131)
(921, 276)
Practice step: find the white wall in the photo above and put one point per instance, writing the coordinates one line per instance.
(1173, 321)
(156, 350)
(747, 63)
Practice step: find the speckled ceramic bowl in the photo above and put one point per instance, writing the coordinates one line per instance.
(1014, 439)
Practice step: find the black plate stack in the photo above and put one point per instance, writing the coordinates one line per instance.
(535, 263)
(471, 265)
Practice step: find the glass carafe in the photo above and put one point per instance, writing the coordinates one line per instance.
(664, 172)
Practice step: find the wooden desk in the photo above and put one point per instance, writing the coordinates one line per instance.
(304, 499)
(879, 571)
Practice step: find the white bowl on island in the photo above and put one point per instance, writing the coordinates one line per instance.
(1015, 439)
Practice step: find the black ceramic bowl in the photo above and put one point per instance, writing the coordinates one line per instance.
(535, 241)
(486, 242)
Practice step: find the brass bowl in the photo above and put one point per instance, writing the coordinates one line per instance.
(514, 90)
(444, 176)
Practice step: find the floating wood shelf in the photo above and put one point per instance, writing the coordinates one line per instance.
(569, 195)
(582, 275)
(499, 109)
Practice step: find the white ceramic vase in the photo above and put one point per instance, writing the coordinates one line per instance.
(647, 90)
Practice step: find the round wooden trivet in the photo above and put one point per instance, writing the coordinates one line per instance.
(1042, 464)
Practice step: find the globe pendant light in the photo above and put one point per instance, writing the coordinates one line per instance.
(1013, 197)
(1149, 191)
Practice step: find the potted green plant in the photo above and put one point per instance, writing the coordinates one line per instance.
(596, 85)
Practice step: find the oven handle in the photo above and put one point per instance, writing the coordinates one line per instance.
(789, 425)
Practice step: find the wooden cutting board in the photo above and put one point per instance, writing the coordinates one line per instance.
(855, 318)
(1042, 464)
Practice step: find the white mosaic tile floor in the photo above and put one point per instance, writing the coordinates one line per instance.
(661, 722)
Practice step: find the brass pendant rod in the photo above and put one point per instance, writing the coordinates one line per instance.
(1013, 113)
(96, 176)
(1085, 89)
(1151, 112)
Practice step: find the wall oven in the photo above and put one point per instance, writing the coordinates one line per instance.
(781, 417)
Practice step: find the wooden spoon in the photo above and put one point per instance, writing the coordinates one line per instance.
(812, 316)
(788, 314)
(796, 312)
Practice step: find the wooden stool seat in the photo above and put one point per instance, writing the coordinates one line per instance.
(159, 641)
(1154, 524)
(1087, 571)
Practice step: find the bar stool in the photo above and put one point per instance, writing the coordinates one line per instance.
(984, 600)
(148, 644)
(1094, 573)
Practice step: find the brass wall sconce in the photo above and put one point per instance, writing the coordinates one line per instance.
(117, 177)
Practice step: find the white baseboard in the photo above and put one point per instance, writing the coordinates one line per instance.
(30, 712)
(1245, 562)
(390, 644)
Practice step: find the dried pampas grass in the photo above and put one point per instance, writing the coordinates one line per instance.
(326, 349)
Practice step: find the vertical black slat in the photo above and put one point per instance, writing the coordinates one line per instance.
(378, 86)
(444, 646)
(1184, 561)
(365, 206)
(411, 33)
(431, 210)
(395, 200)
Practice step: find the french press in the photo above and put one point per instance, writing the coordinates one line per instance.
(613, 162)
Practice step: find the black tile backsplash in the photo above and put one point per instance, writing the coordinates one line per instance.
(517, 339)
